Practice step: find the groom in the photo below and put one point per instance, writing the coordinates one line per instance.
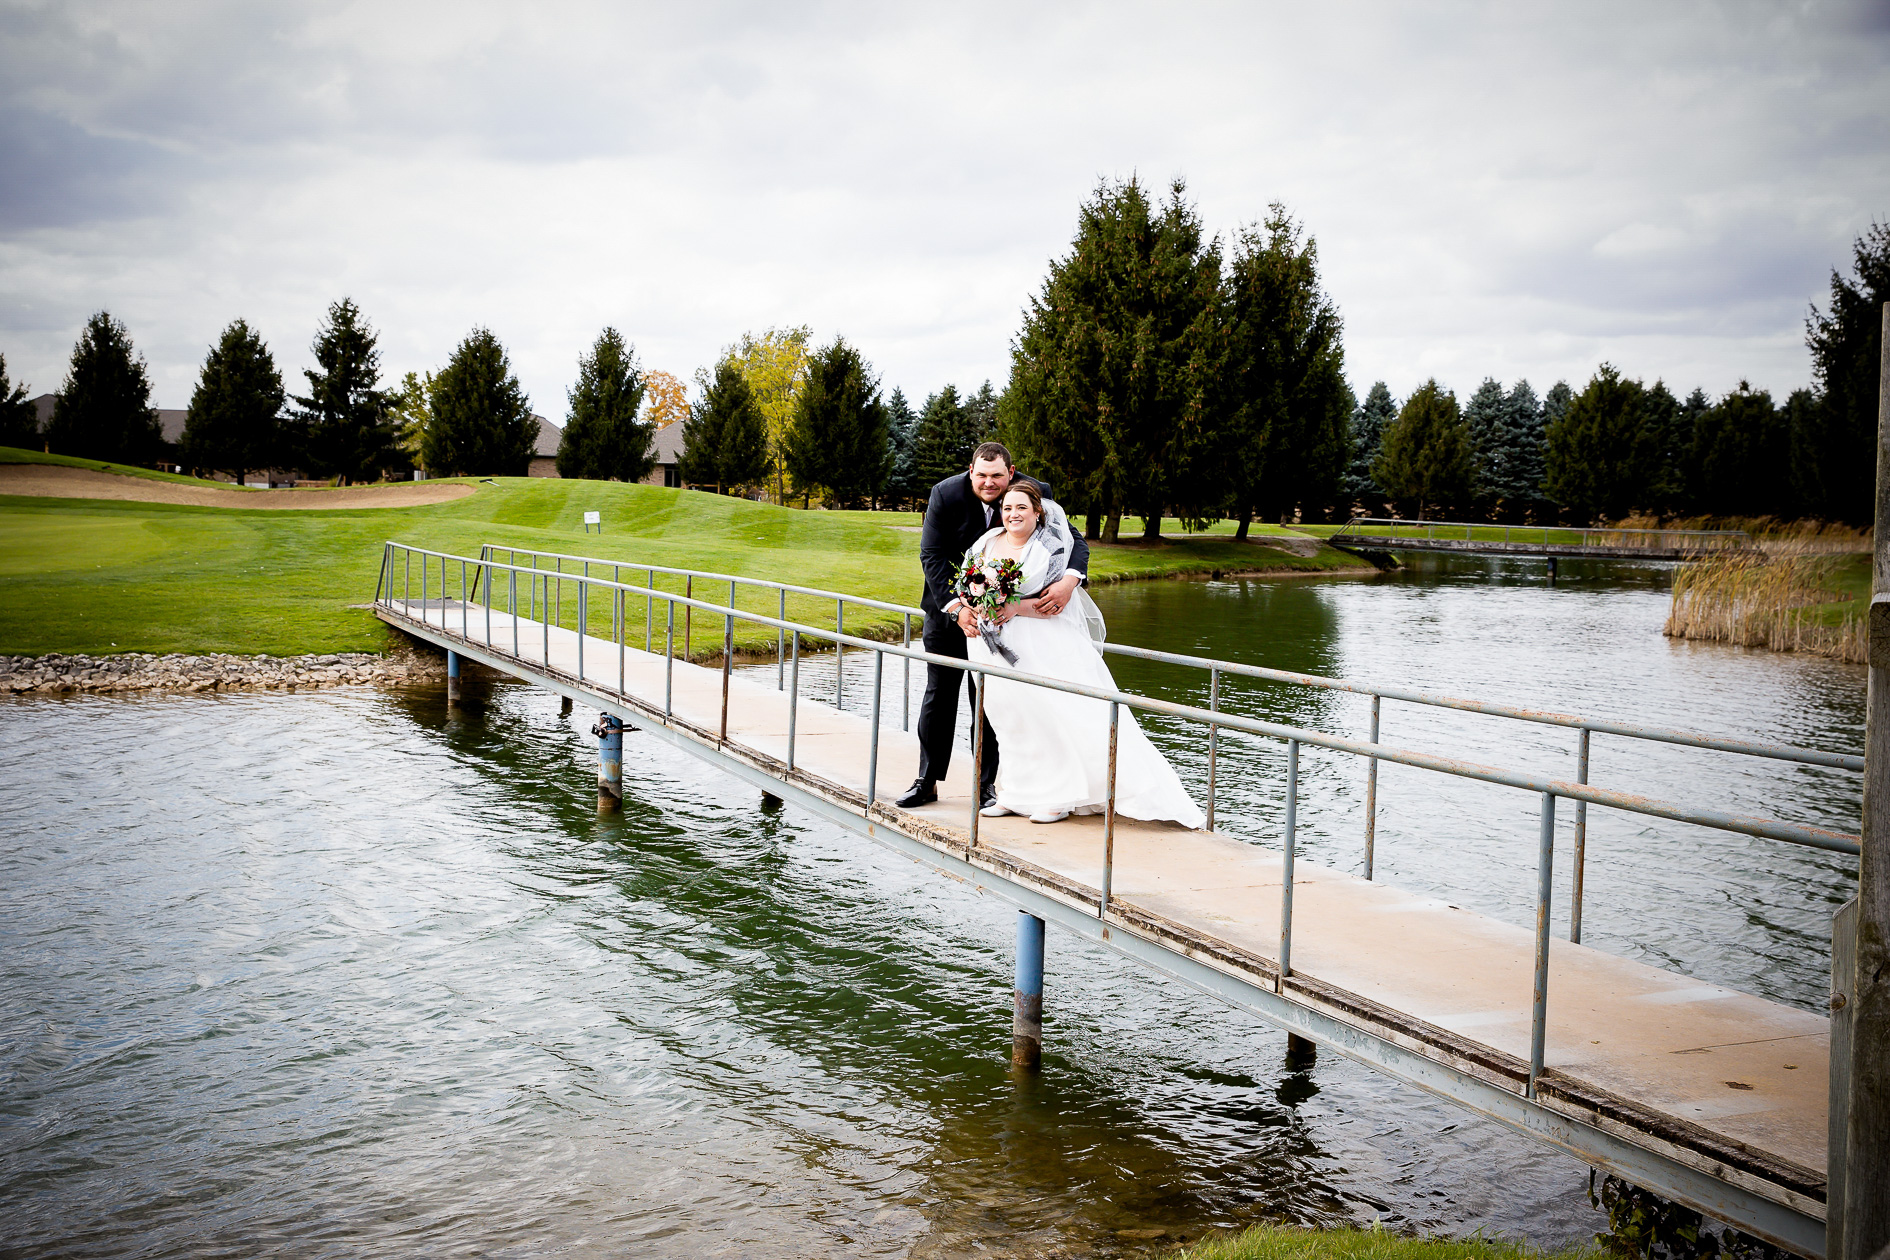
(957, 514)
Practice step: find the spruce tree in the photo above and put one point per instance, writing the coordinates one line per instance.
(345, 425)
(104, 409)
(603, 438)
(1670, 438)
(1284, 439)
(1369, 422)
(903, 483)
(482, 424)
(839, 442)
(1114, 369)
(235, 419)
(1487, 415)
(1522, 486)
(1601, 455)
(1426, 459)
(725, 439)
(1839, 458)
(944, 439)
(19, 423)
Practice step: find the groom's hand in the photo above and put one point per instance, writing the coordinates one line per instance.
(968, 621)
(1057, 596)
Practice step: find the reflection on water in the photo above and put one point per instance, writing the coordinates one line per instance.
(350, 971)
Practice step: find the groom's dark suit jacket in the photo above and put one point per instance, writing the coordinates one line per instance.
(954, 519)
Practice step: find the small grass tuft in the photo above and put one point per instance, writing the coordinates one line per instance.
(1285, 1242)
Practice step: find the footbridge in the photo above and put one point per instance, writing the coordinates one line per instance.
(1369, 534)
(1621, 1064)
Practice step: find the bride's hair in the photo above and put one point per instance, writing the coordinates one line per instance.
(1029, 490)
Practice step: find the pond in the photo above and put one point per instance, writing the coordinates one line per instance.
(351, 971)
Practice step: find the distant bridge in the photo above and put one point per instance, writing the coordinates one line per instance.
(1628, 1067)
(1367, 534)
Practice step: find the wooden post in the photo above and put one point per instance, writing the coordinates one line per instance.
(1867, 1156)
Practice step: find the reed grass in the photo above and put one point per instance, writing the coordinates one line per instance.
(1789, 594)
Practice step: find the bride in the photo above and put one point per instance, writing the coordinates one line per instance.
(1056, 744)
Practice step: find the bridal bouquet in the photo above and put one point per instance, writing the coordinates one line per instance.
(988, 585)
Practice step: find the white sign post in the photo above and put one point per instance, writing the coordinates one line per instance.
(593, 518)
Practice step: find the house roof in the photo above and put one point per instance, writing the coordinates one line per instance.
(667, 445)
(548, 435)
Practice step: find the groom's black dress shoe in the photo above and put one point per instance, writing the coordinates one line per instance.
(922, 792)
(988, 799)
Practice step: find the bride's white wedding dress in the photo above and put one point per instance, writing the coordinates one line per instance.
(1054, 746)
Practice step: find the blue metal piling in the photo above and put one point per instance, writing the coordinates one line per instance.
(609, 732)
(452, 677)
(1027, 996)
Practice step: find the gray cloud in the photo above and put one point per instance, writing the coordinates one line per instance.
(1496, 189)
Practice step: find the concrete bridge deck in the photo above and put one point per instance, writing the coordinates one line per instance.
(1711, 1096)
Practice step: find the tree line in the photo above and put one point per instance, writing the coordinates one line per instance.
(1158, 372)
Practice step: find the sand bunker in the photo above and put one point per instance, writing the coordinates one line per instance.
(56, 481)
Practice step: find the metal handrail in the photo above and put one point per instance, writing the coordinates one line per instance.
(1547, 789)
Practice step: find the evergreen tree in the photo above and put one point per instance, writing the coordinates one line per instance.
(1743, 449)
(1670, 439)
(1687, 463)
(1839, 456)
(1487, 416)
(1114, 369)
(603, 439)
(725, 439)
(345, 424)
(981, 414)
(482, 423)
(19, 423)
(945, 440)
(1369, 422)
(235, 419)
(104, 410)
(1601, 456)
(1426, 458)
(903, 483)
(1522, 472)
(1807, 425)
(839, 442)
(1283, 441)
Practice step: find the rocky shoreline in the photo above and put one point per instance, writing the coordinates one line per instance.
(217, 671)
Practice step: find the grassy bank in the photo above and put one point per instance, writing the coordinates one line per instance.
(16, 455)
(1788, 597)
(1280, 1242)
(101, 576)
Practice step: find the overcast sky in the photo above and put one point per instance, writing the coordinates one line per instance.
(1496, 190)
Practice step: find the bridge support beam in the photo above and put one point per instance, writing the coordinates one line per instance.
(452, 677)
(1027, 995)
(1301, 1052)
(609, 732)
(1552, 566)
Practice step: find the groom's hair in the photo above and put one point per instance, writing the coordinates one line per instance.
(992, 450)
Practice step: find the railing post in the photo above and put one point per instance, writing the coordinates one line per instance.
(1109, 816)
(839, 673)
(1545, 885)
(1371, 795)
(780, 646)
(872, 756)
(669, 659)
(1867, 1149)
(1214, 736)
(905, 684)
(511, 586)
(544, 623)
(728, 655)
(623, 632)
(583, 624)
(1843, 987)
(977, 757)
(1286, 865)
(794, 696)
(1581, 846)
(688, 620)
(649, 616)
(406, 591)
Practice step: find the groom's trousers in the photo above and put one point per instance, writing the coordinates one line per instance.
(938, 712)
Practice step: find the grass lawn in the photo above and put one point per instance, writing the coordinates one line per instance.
(18, 455)
(1280, 1242)
(101, 576)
